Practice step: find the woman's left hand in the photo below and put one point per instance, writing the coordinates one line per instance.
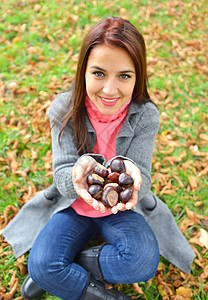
(135, 173)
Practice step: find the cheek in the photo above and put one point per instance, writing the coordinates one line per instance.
(89, 85)
(92, 86)
(128, 91)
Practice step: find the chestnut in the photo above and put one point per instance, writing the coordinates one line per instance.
(125, 180)
(101, 171)
(113, 177)
(125, 195)
(112, 184)
(95, 179)
(109, 196)
(115, 185)
(117, 165)
(118, 189)
(95, 190)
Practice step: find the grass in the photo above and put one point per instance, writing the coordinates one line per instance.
(39, 44)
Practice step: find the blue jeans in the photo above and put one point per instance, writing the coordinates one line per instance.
(130, 255)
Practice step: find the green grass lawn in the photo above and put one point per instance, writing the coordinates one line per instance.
(39, 46)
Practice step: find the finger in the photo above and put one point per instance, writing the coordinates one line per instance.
(95, 204)
(83, 166)
(82, 192)
(134, 172)
(78, 173)
(120, 206)
(114, 210)
(137, 183)
(102, 207)
(132, 201)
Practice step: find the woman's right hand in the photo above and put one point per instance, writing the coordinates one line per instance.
(82, 168)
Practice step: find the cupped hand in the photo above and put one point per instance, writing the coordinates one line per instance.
(82, 168)
(135, 173)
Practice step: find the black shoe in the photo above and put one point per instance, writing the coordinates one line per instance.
(30, 290)
(89, 260)
(95, 290)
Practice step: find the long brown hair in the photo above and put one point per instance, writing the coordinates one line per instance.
(115, 32)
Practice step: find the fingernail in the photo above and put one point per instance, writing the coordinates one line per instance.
(128, 206)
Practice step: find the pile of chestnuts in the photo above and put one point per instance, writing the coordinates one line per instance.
(110, 185)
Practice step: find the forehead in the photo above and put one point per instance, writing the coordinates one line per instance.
(109, 56)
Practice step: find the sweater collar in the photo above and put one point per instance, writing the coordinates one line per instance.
(126, 129)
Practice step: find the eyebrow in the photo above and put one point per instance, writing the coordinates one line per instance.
(121, 72)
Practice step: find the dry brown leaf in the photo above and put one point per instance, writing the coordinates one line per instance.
(204, 275)
(192, 215)
(178, 180)
(13, 279)
(7, 210)
(157, 166)
(8, 186)
(203, 238)
(178, 297)
(185, 223)
(185, 292)
(171, 159)
(195, 152)
(200, 239)
(137, 288)
(193, 182)
(204, 172)
(9, 295)
(204, 137)
(21, 259)
(23, 269)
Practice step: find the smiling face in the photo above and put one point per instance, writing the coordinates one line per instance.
(110, 78)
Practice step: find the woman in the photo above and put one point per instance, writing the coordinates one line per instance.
(106, 114)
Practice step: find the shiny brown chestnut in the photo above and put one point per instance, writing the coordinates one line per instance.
(125, 180)
(117, 165)
(95, 190)
(118, 189)
(109, 196)
(125, 195)
(113, 177)
(95, 179)
(115, 185)
(101, 171)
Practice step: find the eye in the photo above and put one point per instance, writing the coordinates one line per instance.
(125, 76)
(98, 74)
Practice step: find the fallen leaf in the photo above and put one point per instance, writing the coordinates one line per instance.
(203, 237)
(137, 288)
(193, 182)
(192, 215)
(204, 275)
(185, 292)
(204, 137)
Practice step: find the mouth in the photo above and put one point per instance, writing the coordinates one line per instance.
(109, 101)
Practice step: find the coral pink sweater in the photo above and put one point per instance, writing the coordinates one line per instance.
(106, 128)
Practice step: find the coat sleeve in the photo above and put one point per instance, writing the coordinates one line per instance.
(141, 148)
(65, 155)
(145, 127)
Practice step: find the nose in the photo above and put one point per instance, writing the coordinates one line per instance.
(109, 87)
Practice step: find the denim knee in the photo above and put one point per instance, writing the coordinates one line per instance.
(56, 277)
(144, 262)
(38, 267)
(133, 254)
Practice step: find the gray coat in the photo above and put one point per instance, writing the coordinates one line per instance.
(135, 142)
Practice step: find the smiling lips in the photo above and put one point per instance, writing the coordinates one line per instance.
(108, 101)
